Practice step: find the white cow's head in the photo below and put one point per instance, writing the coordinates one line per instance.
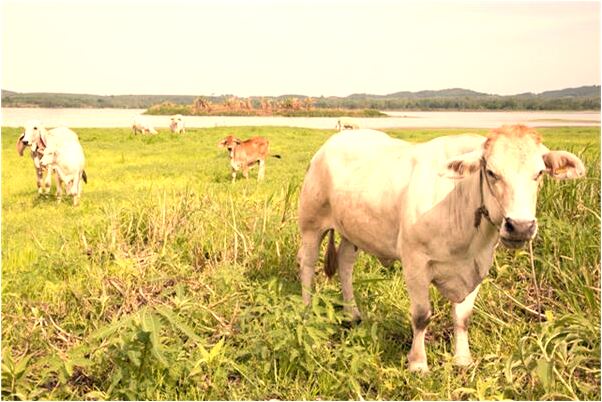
(512, 163)
(173, 125)
(30, 136)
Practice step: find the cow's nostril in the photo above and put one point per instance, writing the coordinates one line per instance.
(531, 226)
(520, 227)
(509, 225)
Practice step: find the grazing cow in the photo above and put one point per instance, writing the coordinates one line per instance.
(67, 159)
(439, 207)
(245, 154)
(345, 123)
(177, 124)
(37, 137)
(143, 126)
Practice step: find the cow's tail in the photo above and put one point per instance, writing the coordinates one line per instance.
(276, 156)
(330, 259)
(85, 176)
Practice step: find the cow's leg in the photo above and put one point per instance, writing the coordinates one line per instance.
(48, 180)
(59, 186)
(75, 189)
(39, 180)
(245, 172)
(307, 257)
(261, 173)
(461, 313)
(420, 308)
(69, 186)
(233, 175)
(346, 258)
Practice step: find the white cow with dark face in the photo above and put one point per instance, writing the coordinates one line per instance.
(440, 207)
(37, 138)
(176, 124)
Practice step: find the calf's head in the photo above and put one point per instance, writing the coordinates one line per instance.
(230, 143)
(512, 163)
(49, 157)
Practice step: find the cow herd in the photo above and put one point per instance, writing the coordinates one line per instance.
(440, 207)
(142, 125)
(57, 152)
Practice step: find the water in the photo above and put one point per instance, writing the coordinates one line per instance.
(16, 117)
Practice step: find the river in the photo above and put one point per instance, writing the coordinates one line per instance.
(72, 117)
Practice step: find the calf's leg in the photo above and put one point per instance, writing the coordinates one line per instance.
(59, 186)
(261, 173)
(346, 258)
(461, 313)
(47, 180)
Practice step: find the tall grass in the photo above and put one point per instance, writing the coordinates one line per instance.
(169, 282)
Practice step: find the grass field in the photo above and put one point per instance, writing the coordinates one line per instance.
(169, 282)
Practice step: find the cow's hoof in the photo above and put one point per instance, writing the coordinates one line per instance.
(348, 324)
(418, 367)
(462, 361)
(354, 314)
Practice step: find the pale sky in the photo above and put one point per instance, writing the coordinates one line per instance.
(297, 47)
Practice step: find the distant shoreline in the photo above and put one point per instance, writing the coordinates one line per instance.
(385, 112)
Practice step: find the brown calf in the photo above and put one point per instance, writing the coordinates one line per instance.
(245, 154)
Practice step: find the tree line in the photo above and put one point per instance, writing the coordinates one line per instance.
(582, 98)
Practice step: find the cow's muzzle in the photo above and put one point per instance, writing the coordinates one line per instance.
(515, 233)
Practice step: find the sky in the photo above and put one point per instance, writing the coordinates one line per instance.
(315, 48)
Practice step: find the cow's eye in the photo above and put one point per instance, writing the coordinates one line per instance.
(35, 128)
(492, 175)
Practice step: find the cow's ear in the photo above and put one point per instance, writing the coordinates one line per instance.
(20, 145)
(222, 143)
(462, 165)
(237, 141)
(563, 165)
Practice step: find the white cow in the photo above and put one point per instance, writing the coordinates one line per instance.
(143, 126)
(68, 160)
(36, 137)
(177, 124)
(346, 123)
(440, 207)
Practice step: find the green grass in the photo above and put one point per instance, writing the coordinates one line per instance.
(169, 282)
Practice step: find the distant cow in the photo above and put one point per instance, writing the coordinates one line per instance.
(345, 123)
(143, 126)
(177, 124)
(440, 207)
(245, 154)
(37, 138)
